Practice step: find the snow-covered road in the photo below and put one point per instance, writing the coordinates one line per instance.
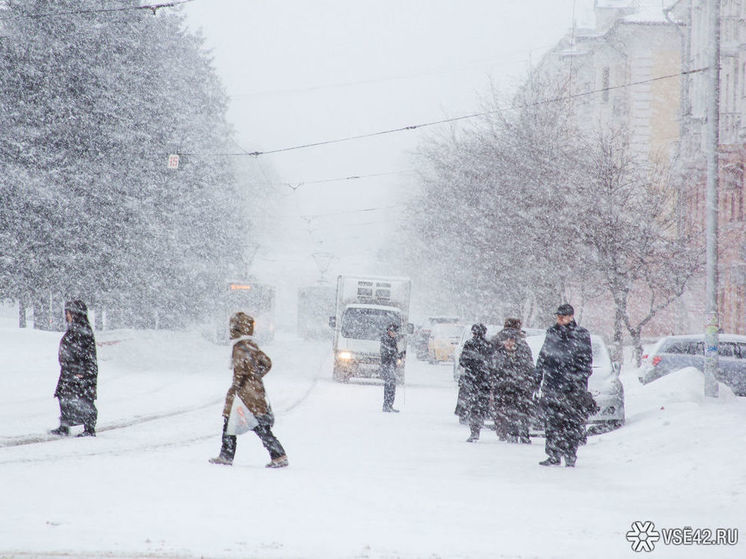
(360, 483)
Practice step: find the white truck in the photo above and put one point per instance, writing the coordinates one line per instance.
(366, 306)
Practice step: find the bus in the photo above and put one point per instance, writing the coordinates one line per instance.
(255, 299)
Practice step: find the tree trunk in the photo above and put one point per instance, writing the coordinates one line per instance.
(636, 341)
(41, 312)
(21, 312)
(618, 349)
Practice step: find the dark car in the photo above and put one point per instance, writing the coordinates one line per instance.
(672, 353)
(419, 342)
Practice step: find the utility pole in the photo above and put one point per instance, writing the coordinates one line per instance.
(711, 197)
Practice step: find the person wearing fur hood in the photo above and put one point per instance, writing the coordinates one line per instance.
(249, 364)
(78, 380)
(514, 382)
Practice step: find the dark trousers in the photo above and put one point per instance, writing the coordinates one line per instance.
(564, 433)
(74, 411)
(264, 432)
(388, 374)
(478, 408)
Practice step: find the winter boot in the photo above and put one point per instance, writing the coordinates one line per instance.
(570, 460)
(279, 462)
(389, 409)
(87, 433)
(551, 461)
(227, 448)
(61, 431)
(474, 437)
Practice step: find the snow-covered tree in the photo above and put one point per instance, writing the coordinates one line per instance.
(523, 209)
(630, 233)
(93, 103)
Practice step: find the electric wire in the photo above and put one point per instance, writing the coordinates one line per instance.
(447, 120)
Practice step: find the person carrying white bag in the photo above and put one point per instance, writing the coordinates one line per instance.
(250, 411)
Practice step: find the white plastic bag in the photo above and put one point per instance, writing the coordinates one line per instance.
(241, 419)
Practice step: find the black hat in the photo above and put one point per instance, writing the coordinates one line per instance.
(76, 306)
(514, 323)
(479, 330)
(565, 309)
(393, 327)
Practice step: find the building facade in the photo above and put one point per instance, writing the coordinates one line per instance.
(692, 17)
(625, 74)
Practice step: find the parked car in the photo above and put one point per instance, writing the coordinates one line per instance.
(444, 337)
(677, 352)
(604, 384)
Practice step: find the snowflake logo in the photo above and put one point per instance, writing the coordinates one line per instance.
(643, 536)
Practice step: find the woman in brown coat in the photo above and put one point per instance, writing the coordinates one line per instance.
(250, 364)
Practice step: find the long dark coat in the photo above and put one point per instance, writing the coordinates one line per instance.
(390, 356)
(78, 363)
(475, 383)
(564, 365)
(514, 383)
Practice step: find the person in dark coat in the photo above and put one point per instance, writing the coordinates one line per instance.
(474, 384)
(77, 384)
(390, 356)
(514, 384)
(249, 365)
(501, 426)
(564, 365)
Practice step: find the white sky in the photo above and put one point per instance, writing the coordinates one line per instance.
(301, 72)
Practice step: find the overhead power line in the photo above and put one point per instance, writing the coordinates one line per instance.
(310, 217)
(446, 120)
(152, 7)
(297, 185)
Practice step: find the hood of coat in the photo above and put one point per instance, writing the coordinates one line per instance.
(241, 324)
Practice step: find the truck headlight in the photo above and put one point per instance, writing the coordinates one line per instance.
(344, 355)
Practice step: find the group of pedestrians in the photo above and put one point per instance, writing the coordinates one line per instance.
(77, 384)
(501, 381)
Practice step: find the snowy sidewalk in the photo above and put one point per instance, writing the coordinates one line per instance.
(360, 483)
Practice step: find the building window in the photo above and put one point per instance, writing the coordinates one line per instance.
(605, 74)
(733, 176)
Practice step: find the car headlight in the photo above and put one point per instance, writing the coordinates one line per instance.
(344, 355)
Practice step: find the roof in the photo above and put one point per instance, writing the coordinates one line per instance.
(376, 307)
(639, 11)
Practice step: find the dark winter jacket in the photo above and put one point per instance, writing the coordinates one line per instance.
(513, 371)
(390, 353)
(250, 364)
(78, 363)
(476, 357)
(565, 360)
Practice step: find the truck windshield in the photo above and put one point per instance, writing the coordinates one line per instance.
(367, 324)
